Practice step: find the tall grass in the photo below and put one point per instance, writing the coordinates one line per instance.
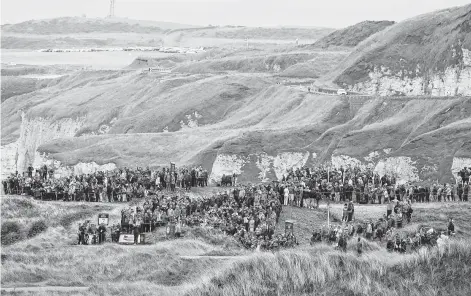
(108, 264)
(317, 271)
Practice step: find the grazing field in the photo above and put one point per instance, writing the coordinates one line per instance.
(206, 262)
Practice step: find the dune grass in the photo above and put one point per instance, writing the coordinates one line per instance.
(24, 218)
(320, 272)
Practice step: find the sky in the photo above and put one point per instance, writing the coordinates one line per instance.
(308, 13)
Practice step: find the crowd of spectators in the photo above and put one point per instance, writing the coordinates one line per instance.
(305, 187)
(110, 186)
(248, 213)
(387, 228)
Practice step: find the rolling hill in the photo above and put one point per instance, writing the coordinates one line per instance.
(242, 122)
(73, 25)
(428, 54)
(106, 32)
(80, 32)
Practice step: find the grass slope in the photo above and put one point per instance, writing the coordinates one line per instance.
(353, 35)
(430, 42)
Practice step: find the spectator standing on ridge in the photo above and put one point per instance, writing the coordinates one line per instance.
(451, 227)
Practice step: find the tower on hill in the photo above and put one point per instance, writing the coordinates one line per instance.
(111, 13)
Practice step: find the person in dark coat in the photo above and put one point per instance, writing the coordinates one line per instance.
(81, 235)
(359, 247)
(350, 211)
(451, 227)
(101, 233)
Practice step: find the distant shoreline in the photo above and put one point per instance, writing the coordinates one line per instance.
(102, 49)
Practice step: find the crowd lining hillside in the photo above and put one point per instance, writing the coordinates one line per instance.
(119, 185)
(303, 187)
(249, 213)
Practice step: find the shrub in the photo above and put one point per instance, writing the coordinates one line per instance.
(11, 232)
(36, 228)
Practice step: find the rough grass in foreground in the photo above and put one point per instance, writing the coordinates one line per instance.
(322, 272)
(24, 217)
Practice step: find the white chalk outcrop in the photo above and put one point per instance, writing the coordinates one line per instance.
(33, 133)
(404, 168)
(9, 158)
(80, 168)
(287, 160)
(346, 161)
(264, 163)
(453, 81)
(228, 164)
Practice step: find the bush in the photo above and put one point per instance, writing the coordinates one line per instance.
(36, 228)
(11, 232)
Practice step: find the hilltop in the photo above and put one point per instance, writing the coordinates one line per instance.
(72, 25)
(427, 54)
(68, 32)
(105, 32)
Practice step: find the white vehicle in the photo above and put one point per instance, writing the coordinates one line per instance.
(341, 91)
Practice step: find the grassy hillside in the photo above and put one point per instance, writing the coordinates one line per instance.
(15, 86)
(419, 46)
(353, 35)
(319, 65)
(234, 113)
(241, 32)
(271, 63)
